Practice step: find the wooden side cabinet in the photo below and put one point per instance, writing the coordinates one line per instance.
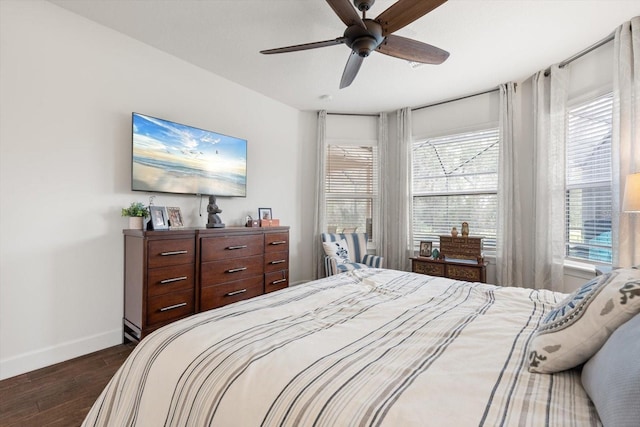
(470, 272)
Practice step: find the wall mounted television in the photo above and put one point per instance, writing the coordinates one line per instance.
(169, 157)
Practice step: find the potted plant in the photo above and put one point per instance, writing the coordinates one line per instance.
(136, 212)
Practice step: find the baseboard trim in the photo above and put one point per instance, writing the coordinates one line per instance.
(47, 356)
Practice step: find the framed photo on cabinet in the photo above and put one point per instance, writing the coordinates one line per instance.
(425, 249)
(175, 217)
(159, 218)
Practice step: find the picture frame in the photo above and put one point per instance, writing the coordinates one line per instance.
(175, 217)
(159, 218)
(425, 249)
(265, 214)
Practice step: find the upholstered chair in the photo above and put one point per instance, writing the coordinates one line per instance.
(347, 251)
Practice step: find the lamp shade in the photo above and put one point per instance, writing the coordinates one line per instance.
(631, 200)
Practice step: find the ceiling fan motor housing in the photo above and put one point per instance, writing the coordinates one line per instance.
(364, 41)
(363, 5)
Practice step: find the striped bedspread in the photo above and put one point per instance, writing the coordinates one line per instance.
(364, 348)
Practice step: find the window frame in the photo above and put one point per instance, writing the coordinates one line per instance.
(479, 127)
(576, 102)
(373, 197)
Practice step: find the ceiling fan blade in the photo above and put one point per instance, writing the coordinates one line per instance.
(345, 11)
(351, 69)
(305, 46)
(412, 50)
(404, 12)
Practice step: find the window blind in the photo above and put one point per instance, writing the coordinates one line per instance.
(455, 179)
(351, 188)
(589, 180)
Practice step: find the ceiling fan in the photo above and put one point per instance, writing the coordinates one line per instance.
(365, 35)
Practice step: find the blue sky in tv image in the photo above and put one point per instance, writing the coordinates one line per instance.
(174, 158)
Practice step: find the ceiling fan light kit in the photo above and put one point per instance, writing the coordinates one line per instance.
(364, 36)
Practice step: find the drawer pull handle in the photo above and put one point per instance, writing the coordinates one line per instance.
(279, 261)
(173, 253)
(236, 270)
(241, 291)
(278, 242)
(275, 282)
(231, 248)
(175, 279)
(172, 307)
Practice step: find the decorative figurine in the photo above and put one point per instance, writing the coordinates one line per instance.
(214, 210)
(454, 232)
(465, 229)
(435, 253)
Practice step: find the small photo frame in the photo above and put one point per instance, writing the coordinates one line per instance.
(264, 214)
(175, 217)
(425, 249)
(159, 218)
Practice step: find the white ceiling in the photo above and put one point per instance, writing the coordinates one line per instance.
(490, 41)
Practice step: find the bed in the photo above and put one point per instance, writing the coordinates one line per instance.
(369, 347)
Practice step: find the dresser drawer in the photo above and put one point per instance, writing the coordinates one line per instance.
(428, 268)
(170, 307)
(275, 261)
(215, 248)
(162, 253)
(227, 270)
(226, 293)
(276, 280)
(276, 242)
(470, 274)
(164, 280)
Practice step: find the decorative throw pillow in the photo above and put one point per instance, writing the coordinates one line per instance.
(579, 325)
(337, 250)
(612, 377)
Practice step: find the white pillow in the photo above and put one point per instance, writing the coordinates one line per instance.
(337, 250)
(579, 325)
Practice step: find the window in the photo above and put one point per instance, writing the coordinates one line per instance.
(589, 180)
(351, 188)
(455, 179)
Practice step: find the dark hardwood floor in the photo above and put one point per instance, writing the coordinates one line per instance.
(59, 395)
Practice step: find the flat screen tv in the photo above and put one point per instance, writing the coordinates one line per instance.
(169, 157)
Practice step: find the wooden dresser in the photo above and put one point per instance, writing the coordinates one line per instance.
(174, 274)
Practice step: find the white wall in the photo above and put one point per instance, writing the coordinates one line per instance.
(68, 89)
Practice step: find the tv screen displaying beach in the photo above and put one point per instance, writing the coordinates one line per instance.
(172, 158)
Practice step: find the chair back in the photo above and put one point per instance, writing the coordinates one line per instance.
(357, 243)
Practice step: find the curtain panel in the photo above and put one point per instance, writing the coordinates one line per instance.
(321, 200)
(625, 140)
(396, 195)
(510, 263)
(550, 100)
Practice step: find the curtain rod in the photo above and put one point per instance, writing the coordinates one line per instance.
(352, 114)
(582, 53)
(456, 99)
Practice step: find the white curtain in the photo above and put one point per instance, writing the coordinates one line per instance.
(319, 211)
(550, 99)
(510, 263)
(396, 195)
(383, 143)
(626, 140)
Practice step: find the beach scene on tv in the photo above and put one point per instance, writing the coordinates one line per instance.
(174, 158)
